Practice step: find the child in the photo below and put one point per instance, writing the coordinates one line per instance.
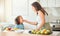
(19, 22)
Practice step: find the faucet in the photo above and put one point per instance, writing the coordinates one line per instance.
(58, 21)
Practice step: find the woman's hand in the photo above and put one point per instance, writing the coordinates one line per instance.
(33, 23)
(37, 29)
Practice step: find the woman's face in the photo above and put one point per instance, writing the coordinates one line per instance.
(34, 9)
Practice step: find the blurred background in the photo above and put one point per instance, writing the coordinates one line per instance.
(9, 9)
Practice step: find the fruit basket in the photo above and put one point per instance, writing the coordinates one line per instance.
(41, 32)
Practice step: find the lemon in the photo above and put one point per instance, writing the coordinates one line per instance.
(33, 31)
(38, 32)
(6, 29)
(15, 28)
(46, 32)
(42, 32)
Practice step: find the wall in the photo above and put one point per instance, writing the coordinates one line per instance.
(53, 13)
(8, 10)
(15, 8)
(2, 11)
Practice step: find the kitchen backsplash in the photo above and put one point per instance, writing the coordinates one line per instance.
(53, 14)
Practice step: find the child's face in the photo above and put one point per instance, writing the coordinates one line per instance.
(21, 19)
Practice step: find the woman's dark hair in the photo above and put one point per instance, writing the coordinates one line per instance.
(38, 7)
(17, 20)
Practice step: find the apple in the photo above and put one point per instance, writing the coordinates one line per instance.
(9, 28)
(6, 29)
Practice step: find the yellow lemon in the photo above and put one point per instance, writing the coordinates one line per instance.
(6, 29)
(38, 32)
(15, 28)
(32, 30)
(42, 32)
(46, 32)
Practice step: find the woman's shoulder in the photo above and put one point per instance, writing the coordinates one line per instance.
(40, 13)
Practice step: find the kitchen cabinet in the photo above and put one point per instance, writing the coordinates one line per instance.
(57, 3)
(50, 3)
(44, 3)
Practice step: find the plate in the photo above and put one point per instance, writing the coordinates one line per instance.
(19, 31)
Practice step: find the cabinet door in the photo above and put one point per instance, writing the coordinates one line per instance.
(44, 3)
(48, 3)
(57, 3)
(51, 3)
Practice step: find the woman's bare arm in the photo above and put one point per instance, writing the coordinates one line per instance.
(33, 23)
(42, 16)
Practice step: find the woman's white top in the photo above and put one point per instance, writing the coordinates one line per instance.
(38, 19)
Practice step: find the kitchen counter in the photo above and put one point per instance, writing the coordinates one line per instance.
(24, 34)
(18, 34)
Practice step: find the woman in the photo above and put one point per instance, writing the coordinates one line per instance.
(40, 12)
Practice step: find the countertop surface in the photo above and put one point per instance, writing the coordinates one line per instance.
(55, 33)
